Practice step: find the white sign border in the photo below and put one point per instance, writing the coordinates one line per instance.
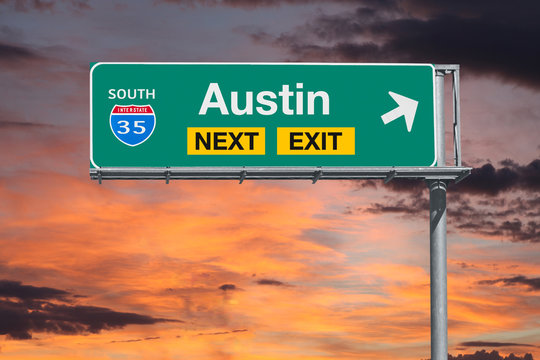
(97, 64)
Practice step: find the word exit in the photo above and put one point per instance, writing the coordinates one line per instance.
(315, 141)
(226, 141)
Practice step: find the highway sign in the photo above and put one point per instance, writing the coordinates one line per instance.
(183, 115)
(282, 121)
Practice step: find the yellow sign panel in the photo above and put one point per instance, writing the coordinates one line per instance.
(315, 141)
(226, 141)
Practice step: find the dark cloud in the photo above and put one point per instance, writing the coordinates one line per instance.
(504, 204)
(49, 6)
(493, 355)
(25, 5)
(483, 180)
(413, 207)
(227, 287)
(485, 39)
(463, 215)
(414, 204)
(14, 53)
(136, 340)
(11, 121)
(514, 218)
(492, 344)
(223, 332)
(364, 184)
(406, 185)
(490, 181)
(487, 181)
(15, 289)
(529, 207)
(26, 309)
(465, 265)
(20, 319)
(20, 125)
(532, 283)
(474, 9)
(249, 4)
(513, 230)
(271, 282)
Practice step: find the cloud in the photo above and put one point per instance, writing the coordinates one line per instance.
(248, 4)
(30, 59)
(406, 185)
(497, 208)
(483, 180)
(20, 125)
(15, 289)
(42, 6)
(271, 282)
(492, 344)
(515, 230)
(532, 283)
(412, 207)
(490, 181)
(25, 309)
(468, 217)
(223, 332)
(485, 42)
(228, 287)
(25, 5)
(136, 340)
(494, 355)
(14, 53)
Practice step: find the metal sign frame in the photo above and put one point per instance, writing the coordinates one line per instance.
(437, 179)
(265, 170)
(314, 173)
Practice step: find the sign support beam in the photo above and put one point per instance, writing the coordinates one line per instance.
(437, 236)
(437, 227)
(281, 173)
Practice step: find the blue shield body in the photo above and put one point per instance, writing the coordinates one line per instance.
(132, 124)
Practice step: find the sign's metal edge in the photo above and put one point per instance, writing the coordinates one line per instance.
(97, 64)
(254, 63)
(435, 123)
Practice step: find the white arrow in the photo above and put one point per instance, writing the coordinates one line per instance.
(406, 107)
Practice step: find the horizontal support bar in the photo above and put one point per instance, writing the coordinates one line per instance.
(447, 67)
(279, 173)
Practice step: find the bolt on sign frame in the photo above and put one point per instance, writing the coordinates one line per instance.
(319, 100)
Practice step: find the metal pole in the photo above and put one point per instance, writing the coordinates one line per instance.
(437, 237)
(437, 247)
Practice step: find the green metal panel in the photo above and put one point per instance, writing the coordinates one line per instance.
(358, 97)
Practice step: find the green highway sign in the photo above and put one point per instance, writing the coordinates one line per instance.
(183, 115)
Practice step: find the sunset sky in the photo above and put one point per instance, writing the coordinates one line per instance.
(266, 269)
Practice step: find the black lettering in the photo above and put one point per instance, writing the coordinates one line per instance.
(236, 141)
(294, 141)
(218, 140)
(251, 141)
(334, 136)
(199, 138)
(311, 141)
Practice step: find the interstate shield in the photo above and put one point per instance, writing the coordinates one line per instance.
(132, 124)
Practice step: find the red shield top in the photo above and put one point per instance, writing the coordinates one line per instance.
(132, 109)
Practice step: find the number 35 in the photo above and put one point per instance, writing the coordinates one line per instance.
(138, 125)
